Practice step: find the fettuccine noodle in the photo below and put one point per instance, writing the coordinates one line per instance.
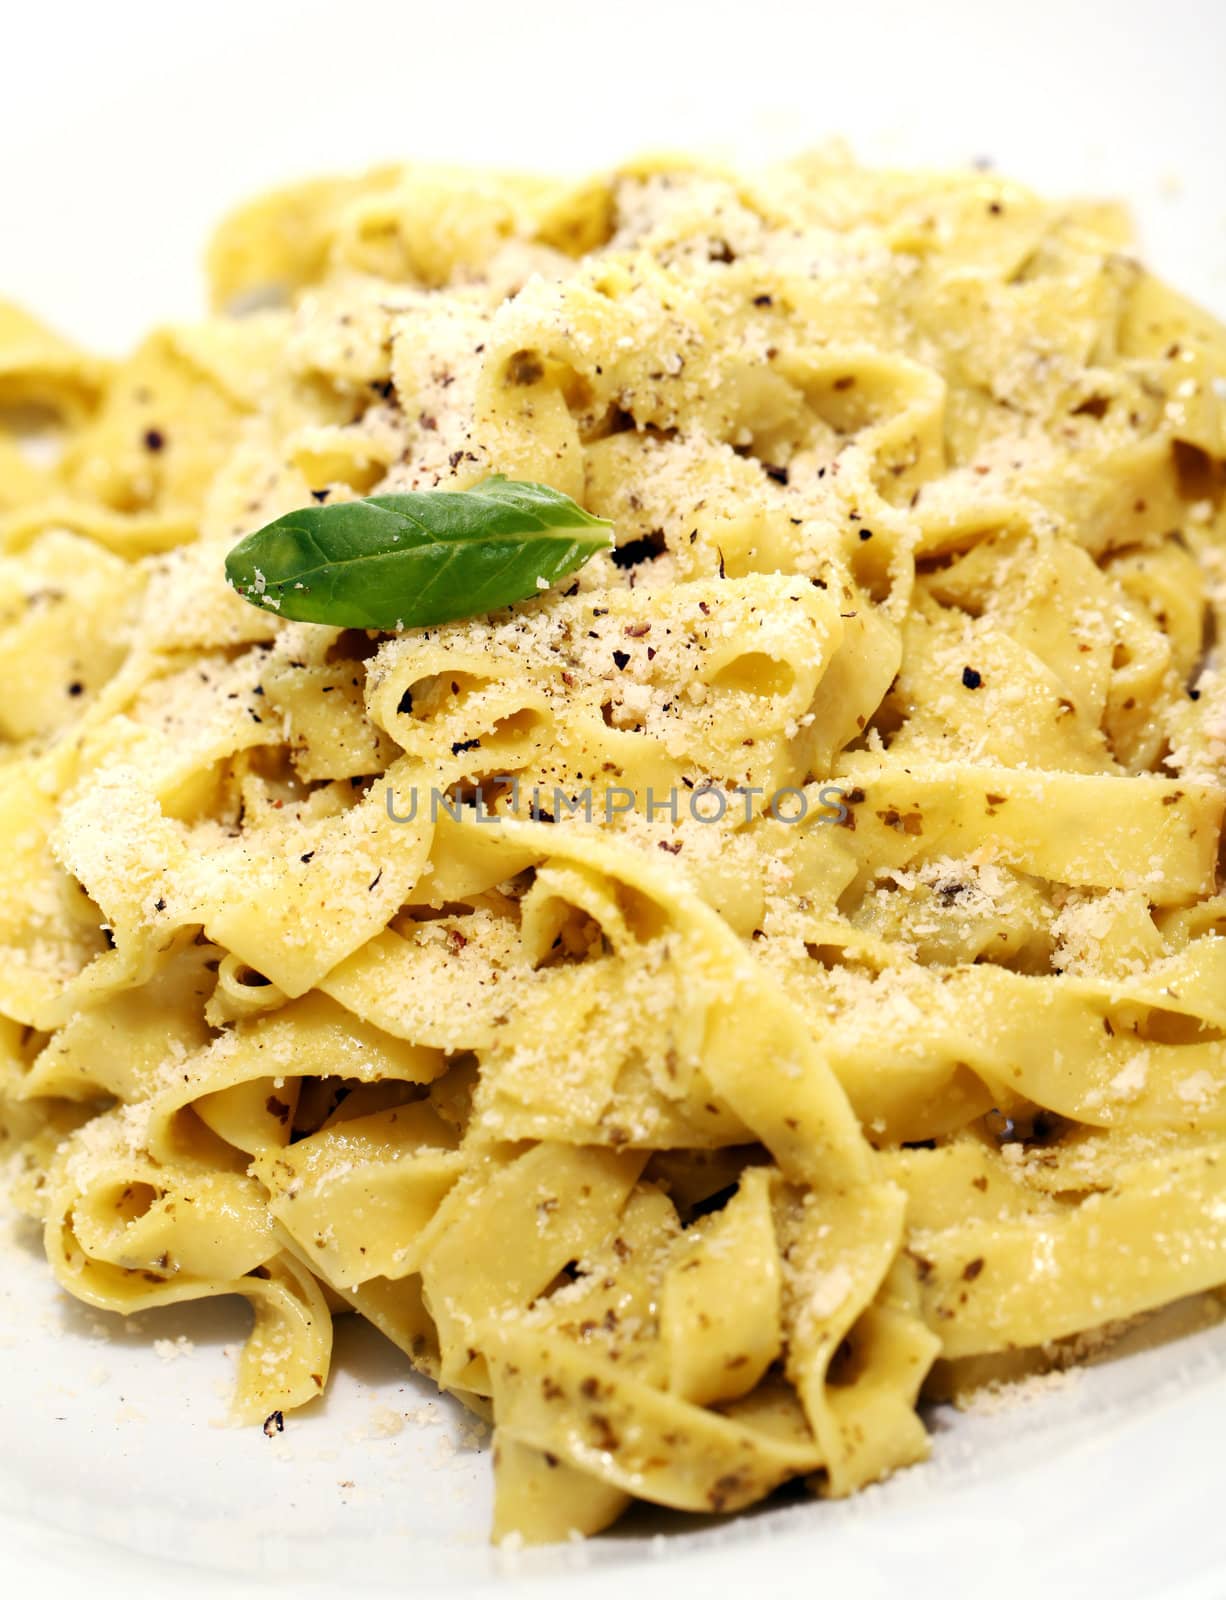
(679, 1146)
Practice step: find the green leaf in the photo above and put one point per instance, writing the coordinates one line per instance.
(399, 561)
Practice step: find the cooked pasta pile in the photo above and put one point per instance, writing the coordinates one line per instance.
(686, 1150)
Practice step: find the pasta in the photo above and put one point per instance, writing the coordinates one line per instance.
(810, 993)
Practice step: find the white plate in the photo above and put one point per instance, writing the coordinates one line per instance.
(126, 129)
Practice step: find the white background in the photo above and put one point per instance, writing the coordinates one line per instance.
(125, 129)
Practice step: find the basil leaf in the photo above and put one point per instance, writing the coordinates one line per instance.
(399, 561)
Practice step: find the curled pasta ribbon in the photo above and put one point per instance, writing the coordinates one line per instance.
(136, 1234)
